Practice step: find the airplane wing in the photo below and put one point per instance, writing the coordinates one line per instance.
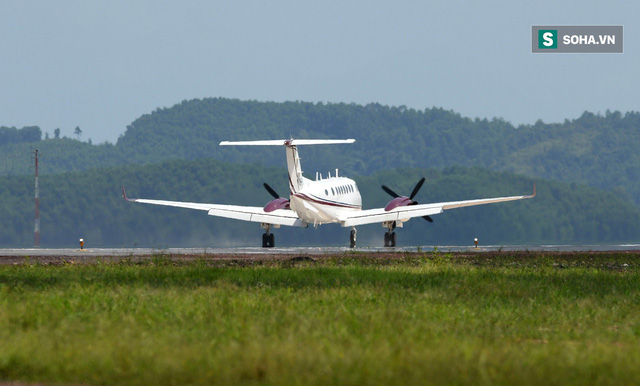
(403, 213)
(245, 213)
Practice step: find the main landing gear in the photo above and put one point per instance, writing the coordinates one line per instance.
(390, 235)
(268, 238)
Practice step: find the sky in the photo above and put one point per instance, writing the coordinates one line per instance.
(99, 65)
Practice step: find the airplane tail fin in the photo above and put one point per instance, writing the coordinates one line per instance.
(293, 160)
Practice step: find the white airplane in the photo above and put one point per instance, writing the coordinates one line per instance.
(326, 200)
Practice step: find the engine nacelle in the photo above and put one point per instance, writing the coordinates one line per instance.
(398, 201)
(278, 203)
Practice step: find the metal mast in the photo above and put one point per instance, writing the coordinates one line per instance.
(37, 199)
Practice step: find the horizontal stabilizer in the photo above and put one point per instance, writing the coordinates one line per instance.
(287, 142)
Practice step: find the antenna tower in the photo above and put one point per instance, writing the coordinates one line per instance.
(37, 201)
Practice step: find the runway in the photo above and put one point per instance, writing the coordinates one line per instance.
(124, 252)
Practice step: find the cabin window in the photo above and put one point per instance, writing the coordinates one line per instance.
(332, 192)
(326, 193)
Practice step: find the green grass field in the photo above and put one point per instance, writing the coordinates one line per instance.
(417, 319)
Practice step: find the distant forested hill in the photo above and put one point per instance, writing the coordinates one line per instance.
(26, 134)
(596, 150)
(89, 205)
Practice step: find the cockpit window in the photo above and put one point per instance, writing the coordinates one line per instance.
(333, 193)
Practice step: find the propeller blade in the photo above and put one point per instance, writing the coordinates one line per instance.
(417, 188)
(390, 192)
(428, 218)
(271, 191)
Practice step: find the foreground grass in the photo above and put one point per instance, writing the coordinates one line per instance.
(345, 321)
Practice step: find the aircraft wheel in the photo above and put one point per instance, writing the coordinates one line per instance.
(352, 239)
(265, 240)
(392, 239)
(272, 240)
(386, 239)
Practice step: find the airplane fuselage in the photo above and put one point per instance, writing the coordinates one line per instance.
(325, 200)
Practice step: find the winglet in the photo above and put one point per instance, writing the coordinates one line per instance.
(534, 191)
(124, 194)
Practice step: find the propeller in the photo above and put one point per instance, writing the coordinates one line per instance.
(271, 191)
(277, 203)
(415, 191)
(390, 192)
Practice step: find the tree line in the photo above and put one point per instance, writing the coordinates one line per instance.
(27, 134)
